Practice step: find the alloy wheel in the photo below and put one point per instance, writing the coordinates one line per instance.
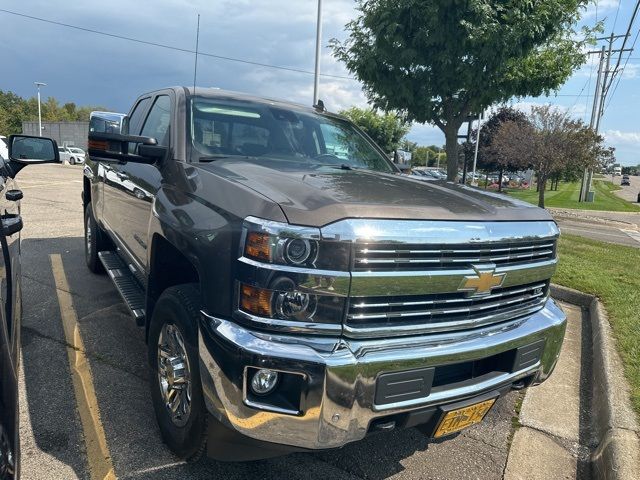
(174, 374)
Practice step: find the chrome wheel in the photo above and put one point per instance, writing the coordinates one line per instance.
(174, 374)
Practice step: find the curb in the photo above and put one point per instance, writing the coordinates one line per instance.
(617, 455)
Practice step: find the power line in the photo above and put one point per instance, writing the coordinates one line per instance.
(624, 43)
(171, 47)
(621, 72)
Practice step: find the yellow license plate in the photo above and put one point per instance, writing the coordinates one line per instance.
(461, 418)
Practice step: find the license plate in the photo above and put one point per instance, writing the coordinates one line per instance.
(461, 418)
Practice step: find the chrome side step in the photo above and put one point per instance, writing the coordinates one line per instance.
(124, 280)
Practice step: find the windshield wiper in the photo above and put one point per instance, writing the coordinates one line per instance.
(343, 166)
(212, 158)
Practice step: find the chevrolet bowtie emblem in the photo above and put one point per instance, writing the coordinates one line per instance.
(484, 280)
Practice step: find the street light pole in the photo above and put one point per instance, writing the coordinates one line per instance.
(39, 84)
(316, 77)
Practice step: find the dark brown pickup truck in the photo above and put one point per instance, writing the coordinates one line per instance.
(297, 292)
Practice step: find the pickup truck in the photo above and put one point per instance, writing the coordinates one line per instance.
(297, 293)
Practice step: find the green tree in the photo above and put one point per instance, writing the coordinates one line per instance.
(387, 129)
(552, 144)
(489, 158)
(438, 61)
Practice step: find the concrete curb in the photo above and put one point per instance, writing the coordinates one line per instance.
(617, 455)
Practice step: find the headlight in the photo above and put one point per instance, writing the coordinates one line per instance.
(289, 274)
(298, 246)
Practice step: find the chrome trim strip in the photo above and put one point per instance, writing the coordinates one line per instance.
(355, 331)
(363, 304)
(419, 282)
(514, 256)
(443, 311)
(441, 232)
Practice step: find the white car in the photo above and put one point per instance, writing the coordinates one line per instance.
(73, 155)
(4, 152)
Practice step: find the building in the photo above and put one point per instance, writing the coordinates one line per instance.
(65, 133)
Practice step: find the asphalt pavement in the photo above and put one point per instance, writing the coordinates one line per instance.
(74, 325)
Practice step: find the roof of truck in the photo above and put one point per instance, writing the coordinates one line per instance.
(213, 92)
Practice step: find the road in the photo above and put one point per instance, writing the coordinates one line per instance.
(629, 193)
(56, 444)
(622, 235)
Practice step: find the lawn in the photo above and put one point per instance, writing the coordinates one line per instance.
(611, 272)
(567, 197)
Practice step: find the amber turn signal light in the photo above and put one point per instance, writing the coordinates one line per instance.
(258, 246)
(255, 300)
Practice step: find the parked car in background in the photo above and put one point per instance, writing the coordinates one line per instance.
(4, 152)
(297, 292)
(625, 181)
(22, 150)
(73, 155)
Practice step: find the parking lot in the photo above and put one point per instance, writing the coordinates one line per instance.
(63, 438)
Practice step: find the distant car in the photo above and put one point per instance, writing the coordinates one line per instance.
(625, 181)
(73, 155)
(4, 153)
(21, 151)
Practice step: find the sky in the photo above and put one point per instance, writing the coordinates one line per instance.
(92, 69)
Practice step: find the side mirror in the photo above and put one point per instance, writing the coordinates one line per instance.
(115, 147)
(25, 149)
(28, 150)
(108, 122)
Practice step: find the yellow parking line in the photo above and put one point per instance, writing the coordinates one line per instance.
(98, 456)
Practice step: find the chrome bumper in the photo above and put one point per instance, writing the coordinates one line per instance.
(338, 401)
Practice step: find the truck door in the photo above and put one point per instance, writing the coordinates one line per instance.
(138, 183)
(10, 226)
(115, 194)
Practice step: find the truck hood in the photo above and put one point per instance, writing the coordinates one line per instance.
(320, 196)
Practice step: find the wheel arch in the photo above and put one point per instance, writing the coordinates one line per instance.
(168, 267)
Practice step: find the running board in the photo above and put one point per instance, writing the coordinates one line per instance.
(124, 280)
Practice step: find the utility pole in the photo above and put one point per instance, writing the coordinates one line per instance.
(39, 84)
(474, 182)
(602, 87)
(316, 76)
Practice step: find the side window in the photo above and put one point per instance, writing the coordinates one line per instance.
(136, 117)
(158, 120)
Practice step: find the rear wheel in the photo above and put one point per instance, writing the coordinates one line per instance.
(95, 241)
(176, 390)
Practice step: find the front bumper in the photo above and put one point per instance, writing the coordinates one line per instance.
(339, 403)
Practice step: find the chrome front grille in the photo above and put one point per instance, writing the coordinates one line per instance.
(379, 316)
(397, 257)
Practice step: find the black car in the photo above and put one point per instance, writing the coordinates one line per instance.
(23, 150)
(625, 181)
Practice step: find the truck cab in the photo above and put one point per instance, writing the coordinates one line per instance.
(296, 291)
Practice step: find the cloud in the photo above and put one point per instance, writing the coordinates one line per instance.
(599, 8)
(623, 138)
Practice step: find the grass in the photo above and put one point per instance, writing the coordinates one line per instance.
(567, 197)
(612, 273)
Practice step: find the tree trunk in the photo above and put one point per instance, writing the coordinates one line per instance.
(542, 185)
(451, 136)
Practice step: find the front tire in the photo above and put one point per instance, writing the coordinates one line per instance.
(94, 241)
(72, 161)
(176, 390)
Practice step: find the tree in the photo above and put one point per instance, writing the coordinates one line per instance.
(385, 129)
(489, 158)
(438, 61)
(551, 143)
(15, 109)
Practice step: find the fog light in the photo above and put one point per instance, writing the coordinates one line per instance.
(264, 381)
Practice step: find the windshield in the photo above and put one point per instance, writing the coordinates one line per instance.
(225, 128)
(77, 150)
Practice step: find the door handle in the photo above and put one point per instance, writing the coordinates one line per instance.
(11, 224)
(14, 195)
